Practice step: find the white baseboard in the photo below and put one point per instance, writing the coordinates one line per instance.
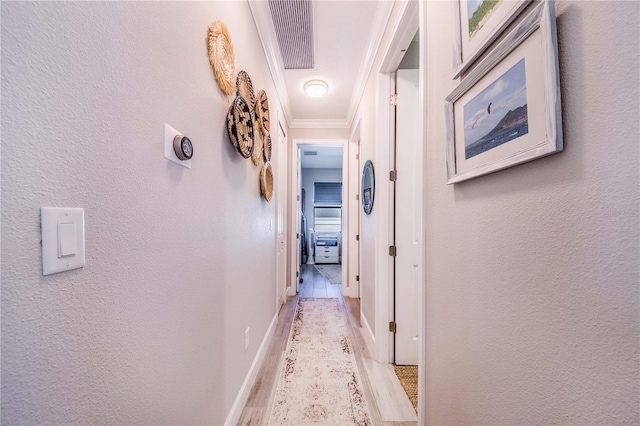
(243, 395)
(291, 291)
(369, 337)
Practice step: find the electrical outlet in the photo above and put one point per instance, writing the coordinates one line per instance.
(246, 339)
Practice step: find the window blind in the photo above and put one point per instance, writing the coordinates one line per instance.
(327, 193)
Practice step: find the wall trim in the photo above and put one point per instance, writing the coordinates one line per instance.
(266, 33)
(369, 337)
(243, 395)
(319, 124)
(383, 15)
(422, 285)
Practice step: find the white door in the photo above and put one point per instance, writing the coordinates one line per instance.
(281, 193)
(407, 220)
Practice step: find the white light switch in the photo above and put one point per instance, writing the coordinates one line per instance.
(62, 239)
(67, 239)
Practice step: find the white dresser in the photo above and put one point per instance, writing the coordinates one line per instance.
(327, 250)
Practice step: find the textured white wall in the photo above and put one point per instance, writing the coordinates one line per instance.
(179, 262)
(532, 272)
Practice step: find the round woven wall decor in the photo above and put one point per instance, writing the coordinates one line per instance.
(267, 147)
(240, 127)
(262, 111)
(244, 88)
(266, 181)
(257, 154)
(221, 56)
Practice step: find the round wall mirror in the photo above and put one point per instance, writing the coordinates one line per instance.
(368, 187)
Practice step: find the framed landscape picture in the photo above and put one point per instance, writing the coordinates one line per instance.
(507, 111)
(476, 24)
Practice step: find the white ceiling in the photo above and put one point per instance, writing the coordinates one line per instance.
(327, 157)
(346, 36)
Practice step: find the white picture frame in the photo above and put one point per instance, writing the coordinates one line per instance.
(518, 82)
(472, 34)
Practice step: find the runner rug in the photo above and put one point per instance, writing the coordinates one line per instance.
(331, 272)
(319, 381)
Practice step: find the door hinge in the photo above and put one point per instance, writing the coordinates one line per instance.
(392, 251)
(297, 198)
(394, 99)
(357, 277)
(393, 175)
(297, 236)
(392, 327)
(357, 237)
(357, 197)
(297, 273)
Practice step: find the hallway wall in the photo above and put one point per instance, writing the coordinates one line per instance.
(532, 272)
(179, 262)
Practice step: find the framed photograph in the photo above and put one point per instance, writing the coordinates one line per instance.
(476, 24)
(507, 111)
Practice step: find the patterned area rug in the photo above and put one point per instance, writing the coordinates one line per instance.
(331, 272)
(319, 381)
(408, 376)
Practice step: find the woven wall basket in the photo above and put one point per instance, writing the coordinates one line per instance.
(240, 127)
(244, 88)
(267, 147)
(221, 56)
(266, 181)
(262, 111)
(258, 152)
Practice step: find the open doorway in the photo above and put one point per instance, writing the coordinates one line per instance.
(321, 211)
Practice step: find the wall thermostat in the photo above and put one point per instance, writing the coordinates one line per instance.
(183, 147)
(177, 147)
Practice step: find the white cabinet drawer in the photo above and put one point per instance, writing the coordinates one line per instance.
(326, 259)
(327, 251)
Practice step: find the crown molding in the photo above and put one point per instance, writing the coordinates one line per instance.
(319, 124)
(266, 32)
(375, 38)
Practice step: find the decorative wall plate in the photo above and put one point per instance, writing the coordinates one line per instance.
(230, 126)
(267, 147)
(262, 111)
(266, 181)
(240, 127)
(244, 88)
(221, 56)
(257, 154)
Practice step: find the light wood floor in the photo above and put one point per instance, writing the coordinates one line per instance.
(387, 401)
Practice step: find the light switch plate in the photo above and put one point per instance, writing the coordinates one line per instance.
(169, 134)
(62, 239)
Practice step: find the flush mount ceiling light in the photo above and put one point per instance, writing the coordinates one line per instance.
(316, 88)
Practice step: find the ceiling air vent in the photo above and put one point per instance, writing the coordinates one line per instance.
(293, 22)
(310, 152)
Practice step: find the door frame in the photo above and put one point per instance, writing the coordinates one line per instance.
(403, 32)
(412, 17)
(354, 212)
(344, 143)
(281, 288)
